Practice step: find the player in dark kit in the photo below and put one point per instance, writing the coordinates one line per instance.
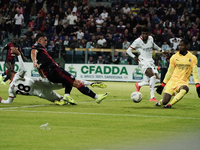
(10, 57)
(43, 61)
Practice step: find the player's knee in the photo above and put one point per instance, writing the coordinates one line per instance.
(184, 87)
(77, 83)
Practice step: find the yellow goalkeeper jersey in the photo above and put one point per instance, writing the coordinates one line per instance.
(182, 66)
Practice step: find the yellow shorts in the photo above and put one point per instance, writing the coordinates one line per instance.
(173, 87)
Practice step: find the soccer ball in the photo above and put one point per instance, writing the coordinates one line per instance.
(136, 97)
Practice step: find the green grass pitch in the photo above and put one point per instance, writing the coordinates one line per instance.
(115, 124)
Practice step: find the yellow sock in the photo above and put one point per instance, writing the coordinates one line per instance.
(160, 103)
(178, 97)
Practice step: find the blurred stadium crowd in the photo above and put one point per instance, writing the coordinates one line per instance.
(80, 24)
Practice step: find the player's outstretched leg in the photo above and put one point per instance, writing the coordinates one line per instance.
(98, 84)
(101, 97)
(152, 89)
(69, 99)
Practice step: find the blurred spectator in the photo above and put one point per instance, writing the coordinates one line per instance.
(100, 8)
(110, 41)
(27, 11)
(163, 63)
(79, 34)
(32, 41)
(19, 20)
(66, 30)
(125, 35)
(125, 44)
(96, 14)
(173, 17)
(135, 9)
(74, 30)
(74, 43)
(115, 59)
(197, 22)
(194, 46)
(101, 43)
(143, 11)
(134, 35)
(194, 30)
(51, 49)
(188, 36)
(42, 13)
(180, 34)
(165, 46)
(184, 15)
(175, 42)
(167, 34)
(61, 13)
(59, 28)
(82, 43)
(29, 33)
(196, 10)
(98, 33)
(59, 49)
(187, 22)
(4, 28)
(9, 23)
(118, 44)
(25, 41)
(123, 60)
(49, 20)
(104, 28)
(87, 36)
(75, 7)
(111, 28)
(169, 9)
(100, 60)
(19, 8)
(91, 43)
(65, 6)
(167, 24)
(39, 4)
(161, 11)
(89, 20)
(66, 41)
(91, 60)
(56, 20)
(72, 19)
(99, 22)
(43, 27)
(120, 29)
(158, 39)
(64, 20)
(104, 14)
(126, 9)
(52, 12)
(179, 9)
(192, 17)
(174, 29)
(38, 21)
(155, 20)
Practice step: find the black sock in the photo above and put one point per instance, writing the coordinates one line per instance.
(85, 90)
(68, 89)
(5, 79)
(3, 74)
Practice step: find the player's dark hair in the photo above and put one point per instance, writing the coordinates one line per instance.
(39, 35)
(185, 41)
(145, 29)
(9, 73)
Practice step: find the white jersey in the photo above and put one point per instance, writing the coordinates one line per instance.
(35, 87)
(144, 49)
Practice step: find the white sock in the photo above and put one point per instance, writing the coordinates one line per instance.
(146, 82)
(151, 85)
(96, 96)
(67, 94)
(86, 82)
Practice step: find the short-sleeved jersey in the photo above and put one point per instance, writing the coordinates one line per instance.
(28, 86)
(182, 66)
(144, 49)
(44, 60)
(10, 54)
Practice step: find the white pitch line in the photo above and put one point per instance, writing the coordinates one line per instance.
(104, 114)
(23, 107)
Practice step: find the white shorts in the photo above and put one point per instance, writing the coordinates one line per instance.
(147, 63)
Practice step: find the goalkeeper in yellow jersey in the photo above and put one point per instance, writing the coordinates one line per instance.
(177, 77)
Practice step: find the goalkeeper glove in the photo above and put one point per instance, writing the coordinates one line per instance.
(198, 89)
(160, 88)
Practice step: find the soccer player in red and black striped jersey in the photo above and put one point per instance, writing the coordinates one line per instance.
(10, 57)
(43, 61)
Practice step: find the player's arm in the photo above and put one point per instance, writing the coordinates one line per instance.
(22, 54)
(156, 47)
(41, 73)
(129, 52)
(33, 57)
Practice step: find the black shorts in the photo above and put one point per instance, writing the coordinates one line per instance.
(59, 75)
(12, 61)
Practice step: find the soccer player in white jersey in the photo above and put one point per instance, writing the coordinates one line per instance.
(41, 87)
(144, 45)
